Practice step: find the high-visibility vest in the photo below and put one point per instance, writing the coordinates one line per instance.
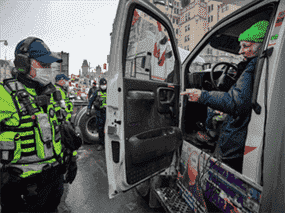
(103, 95)
(68, 103)
(29, 145)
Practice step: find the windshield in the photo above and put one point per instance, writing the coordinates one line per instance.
(212, 56)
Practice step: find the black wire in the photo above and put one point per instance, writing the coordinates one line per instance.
(207, 172)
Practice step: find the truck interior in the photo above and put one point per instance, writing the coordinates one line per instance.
(225, 41)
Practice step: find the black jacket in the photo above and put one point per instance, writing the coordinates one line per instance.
(91, 91)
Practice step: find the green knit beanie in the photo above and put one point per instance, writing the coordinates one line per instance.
(255, 33)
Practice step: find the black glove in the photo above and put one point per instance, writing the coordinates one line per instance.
(5, 176)
(70, 138)
(71, 171)
(10, 174)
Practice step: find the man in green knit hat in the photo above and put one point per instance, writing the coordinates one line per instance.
(251, 39)
(235, 103)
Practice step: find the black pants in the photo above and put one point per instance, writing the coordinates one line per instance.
(235, 163)
(48, 189)
(100, 122)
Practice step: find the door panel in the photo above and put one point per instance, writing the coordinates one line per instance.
(150, 136)
(143, 143)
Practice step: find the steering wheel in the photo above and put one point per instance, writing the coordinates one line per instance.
(225, 73)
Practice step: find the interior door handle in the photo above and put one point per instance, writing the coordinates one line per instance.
(168, 101)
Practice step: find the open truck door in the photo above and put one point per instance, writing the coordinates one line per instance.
(142, 132)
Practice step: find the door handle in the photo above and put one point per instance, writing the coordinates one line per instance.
(167, 89)
(164, 106)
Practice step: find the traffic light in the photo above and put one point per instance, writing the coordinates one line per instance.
(105, 66)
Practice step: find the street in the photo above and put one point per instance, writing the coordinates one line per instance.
(89, 191)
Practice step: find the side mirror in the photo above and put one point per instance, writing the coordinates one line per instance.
(206, 66)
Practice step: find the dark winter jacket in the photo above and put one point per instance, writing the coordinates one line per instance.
(237, 104)
(91, 91)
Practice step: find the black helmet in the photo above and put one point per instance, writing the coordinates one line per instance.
(103, 81)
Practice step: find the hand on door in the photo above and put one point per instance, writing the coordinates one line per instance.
(193, 94)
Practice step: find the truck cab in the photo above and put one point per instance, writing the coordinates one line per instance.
(150, 127)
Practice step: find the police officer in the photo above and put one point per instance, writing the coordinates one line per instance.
(100, 98)
(37, 144)
(61, 84)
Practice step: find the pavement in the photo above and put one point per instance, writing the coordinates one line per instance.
(89, 191)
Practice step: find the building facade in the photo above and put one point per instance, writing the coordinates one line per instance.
(60, 68)
(5, 69)
(192, 19)
(85, 68)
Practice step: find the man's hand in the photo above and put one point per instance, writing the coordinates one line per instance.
(218, 112)
(88, 112)
(193, 94)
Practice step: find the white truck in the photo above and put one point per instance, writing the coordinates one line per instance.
(149, 124)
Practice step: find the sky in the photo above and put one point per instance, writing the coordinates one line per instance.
(80, 28)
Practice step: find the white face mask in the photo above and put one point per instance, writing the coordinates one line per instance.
(103, 87)
(41, 75)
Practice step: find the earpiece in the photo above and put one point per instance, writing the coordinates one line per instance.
(22, 60)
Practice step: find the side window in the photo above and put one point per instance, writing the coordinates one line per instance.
(149, 52)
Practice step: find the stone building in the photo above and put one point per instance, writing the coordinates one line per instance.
(60, 68)
(5, 69)
(85, 68)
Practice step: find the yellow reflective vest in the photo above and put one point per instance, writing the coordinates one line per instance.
(26, 132)
(68, 103)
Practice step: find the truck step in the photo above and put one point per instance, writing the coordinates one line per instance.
(171, 201)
